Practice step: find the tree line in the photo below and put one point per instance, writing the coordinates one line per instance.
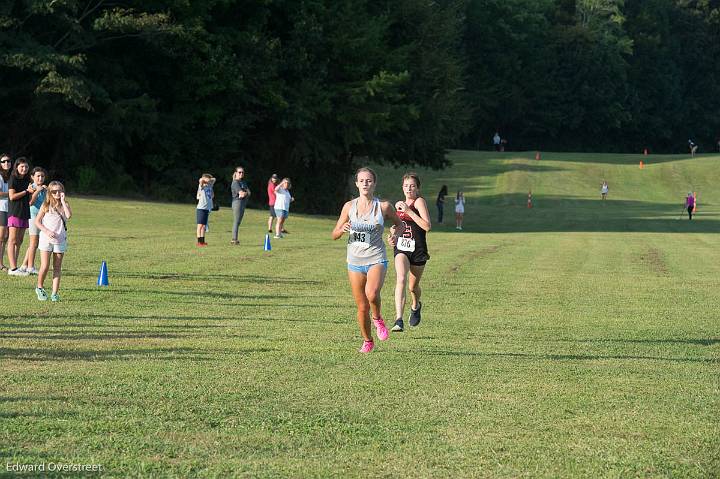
(140, 97)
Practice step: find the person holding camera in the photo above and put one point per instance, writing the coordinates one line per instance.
(205, 195)
(240, 193)
(283, 198)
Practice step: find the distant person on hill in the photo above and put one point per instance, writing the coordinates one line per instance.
(51, 220)
(282, 205)
(240, 193)
(440, 202)
(5, 171)
(690, 204)
(693, 147)
(459, 210)
(496, 141)
(363, 219)
(272, 183)
(604, 190)
(205, 195)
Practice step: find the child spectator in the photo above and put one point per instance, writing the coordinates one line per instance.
(205, 197)
(38, 175)
(51, 221)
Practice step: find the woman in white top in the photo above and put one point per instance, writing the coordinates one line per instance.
(604, 189)
(459, 209)
(5, 170)
(363, 218)
(282, 205)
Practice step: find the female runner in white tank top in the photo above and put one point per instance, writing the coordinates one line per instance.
(363, 218)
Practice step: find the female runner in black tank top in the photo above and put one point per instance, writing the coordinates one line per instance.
(411, 252)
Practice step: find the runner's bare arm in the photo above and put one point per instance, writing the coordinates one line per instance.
(389, 214)
(423, 218)
(343, 222)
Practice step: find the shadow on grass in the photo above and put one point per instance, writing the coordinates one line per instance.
(698, 342)
(194, 294)
(570, 357)
(238, 280)
(153, 354)
(94, 320)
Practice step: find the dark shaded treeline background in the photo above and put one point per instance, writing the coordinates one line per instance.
(140, 97)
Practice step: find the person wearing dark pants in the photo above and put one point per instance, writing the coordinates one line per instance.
(440, 203)
(690, 204)
(240, 194)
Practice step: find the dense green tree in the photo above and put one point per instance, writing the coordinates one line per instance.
(140, 97)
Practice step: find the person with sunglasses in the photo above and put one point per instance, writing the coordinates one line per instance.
(240, 193)
(51, 220)
(5, 170)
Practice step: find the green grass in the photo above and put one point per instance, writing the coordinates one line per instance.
(575, 339)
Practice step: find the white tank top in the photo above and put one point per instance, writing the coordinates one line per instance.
(365, 242)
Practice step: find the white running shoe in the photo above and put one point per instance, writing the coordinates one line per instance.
(22, 269)
(17, 272)
(31, 271)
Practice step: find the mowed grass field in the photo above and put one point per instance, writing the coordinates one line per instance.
(574, 339)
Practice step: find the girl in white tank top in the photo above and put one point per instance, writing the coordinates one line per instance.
(363, 219)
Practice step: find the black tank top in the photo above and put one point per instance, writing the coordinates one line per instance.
(413, 232)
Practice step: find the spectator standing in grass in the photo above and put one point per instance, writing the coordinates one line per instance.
(690, 204)
(51, 220)
(37, 199)
(5, 171)
(272, 183)
(204, 197)
(459, 210)
(693, 147)
(19, 193)
(282, 205)
(240, 193)
(496, 141)
(440, 202)
(604, 190)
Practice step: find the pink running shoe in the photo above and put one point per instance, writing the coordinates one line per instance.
(367, 347)
(382, 332)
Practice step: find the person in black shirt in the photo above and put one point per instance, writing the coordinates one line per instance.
(19, 193)
(440, 203)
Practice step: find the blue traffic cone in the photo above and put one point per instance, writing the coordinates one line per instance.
(103, 276)
(266, 246)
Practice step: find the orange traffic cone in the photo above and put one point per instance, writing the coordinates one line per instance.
(529, 199)
(641, 165)
(537, 155)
